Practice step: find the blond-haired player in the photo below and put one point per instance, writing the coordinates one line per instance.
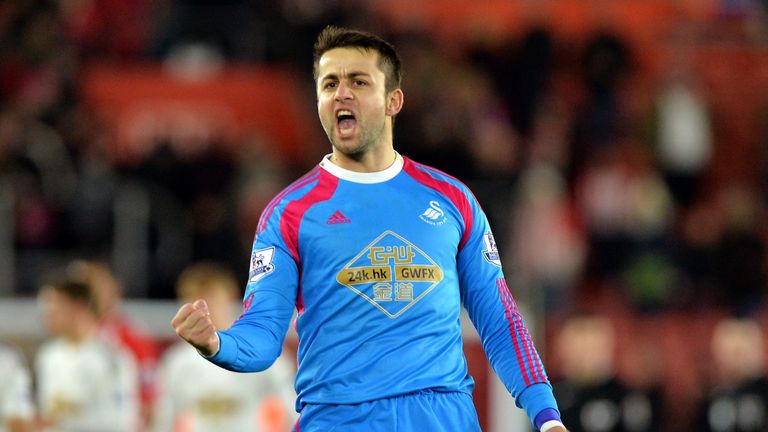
(197, 396)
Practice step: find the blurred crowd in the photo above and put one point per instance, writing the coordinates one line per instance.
(589, 177)
(599, 172)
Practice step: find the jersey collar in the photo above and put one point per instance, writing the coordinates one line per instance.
(361, 177)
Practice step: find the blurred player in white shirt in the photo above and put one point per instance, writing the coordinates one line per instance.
(84, 382)
(197, 396)
(16, 408)
(117, 326)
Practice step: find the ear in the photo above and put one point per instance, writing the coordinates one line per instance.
(394, 102)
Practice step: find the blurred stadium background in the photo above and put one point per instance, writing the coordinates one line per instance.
(619, 147)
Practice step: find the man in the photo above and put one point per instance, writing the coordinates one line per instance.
(217, 399)
(737, 397)
(377, 254)
(591, 394)
(84, 383)
(16, 407)
(116, 326)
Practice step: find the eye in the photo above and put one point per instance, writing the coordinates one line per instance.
(329, 85)
(360, 83)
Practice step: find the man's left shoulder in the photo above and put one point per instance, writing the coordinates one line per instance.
(435, 177)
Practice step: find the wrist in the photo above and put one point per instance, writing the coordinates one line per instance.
(214, 349)
(552, 426)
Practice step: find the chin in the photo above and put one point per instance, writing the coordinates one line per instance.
(350, 148)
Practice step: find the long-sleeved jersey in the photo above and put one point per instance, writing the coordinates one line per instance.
(378, 266)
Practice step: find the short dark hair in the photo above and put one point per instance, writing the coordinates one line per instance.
(338, 37)
(75, 290)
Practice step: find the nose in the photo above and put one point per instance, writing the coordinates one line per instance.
(343, 92)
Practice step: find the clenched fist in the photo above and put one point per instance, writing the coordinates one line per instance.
(193, 324)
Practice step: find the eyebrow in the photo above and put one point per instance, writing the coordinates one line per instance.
(352, 74)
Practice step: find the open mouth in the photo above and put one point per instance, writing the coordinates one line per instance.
(345, 121)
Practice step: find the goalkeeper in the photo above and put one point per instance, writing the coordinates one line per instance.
(377, 254)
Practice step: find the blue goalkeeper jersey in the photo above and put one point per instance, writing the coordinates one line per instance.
(378, 266)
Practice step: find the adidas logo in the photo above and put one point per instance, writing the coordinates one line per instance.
(337, 218)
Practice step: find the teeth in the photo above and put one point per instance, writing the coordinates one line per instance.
(343, 112)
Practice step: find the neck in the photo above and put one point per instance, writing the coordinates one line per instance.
(82, 331)
(374, 160)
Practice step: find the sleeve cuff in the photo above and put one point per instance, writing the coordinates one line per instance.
(547, 419)
(536, 400)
